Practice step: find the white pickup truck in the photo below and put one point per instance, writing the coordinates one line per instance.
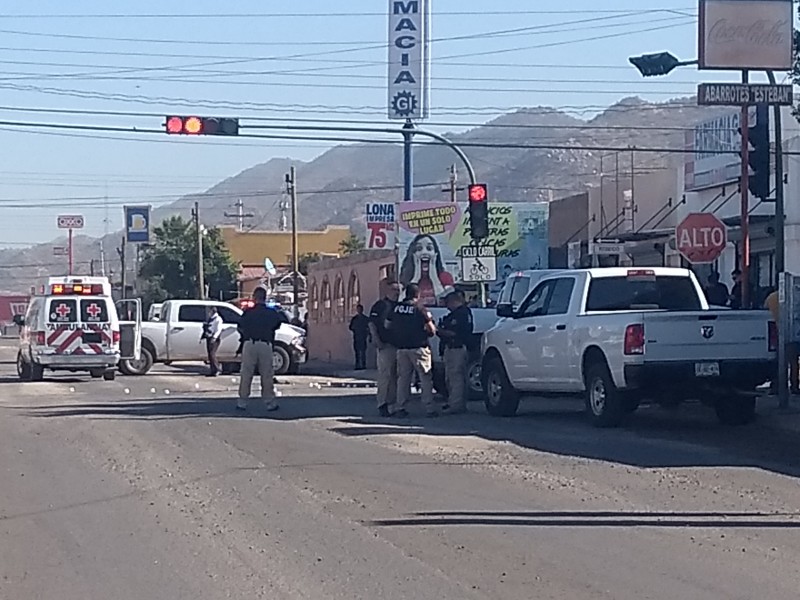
(176, 338)
(620, 336)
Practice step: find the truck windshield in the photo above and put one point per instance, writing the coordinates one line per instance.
(656, 293)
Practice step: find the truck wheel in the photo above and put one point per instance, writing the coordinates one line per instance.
(500, 397)
(605, 405)
(735, 409)
(110, 375)
(23, 368)
(281, 360)
(96, 373)
(37, 372)
(475, 379)
(137, 367)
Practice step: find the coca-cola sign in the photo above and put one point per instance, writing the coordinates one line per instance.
(746, 34)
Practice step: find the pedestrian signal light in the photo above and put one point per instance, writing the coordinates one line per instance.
(178, 125)
(479, 211)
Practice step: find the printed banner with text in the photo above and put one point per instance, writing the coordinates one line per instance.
(431, 234)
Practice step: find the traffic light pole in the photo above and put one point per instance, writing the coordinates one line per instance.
(291, 180)
(408, 161)
(745, 206)
(201, 283)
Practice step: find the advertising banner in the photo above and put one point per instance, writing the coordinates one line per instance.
(380, 222)
(430, 236)
(137, 224)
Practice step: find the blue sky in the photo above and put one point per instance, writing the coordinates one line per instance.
(326, 60)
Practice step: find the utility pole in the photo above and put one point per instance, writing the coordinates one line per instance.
(408, 161)
(239, 215)
(453, 188)
(291, 188)
(744, 266)
(123, 267)
(201, 283)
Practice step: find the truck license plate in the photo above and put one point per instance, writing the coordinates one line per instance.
(706, 369)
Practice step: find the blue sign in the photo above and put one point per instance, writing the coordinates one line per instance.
(137, 224)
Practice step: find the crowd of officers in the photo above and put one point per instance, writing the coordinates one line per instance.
(402, 331)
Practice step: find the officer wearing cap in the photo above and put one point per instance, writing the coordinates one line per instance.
(455, 333)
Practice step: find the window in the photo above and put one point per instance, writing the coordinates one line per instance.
(562, 294)
(94, 311)
(313, 301)
(645, 293)
(353, 293)
(514, 291)
(325, 317)
(338, 299)
(537, 303)
(63, 311)
(192, 313)
(229, 316)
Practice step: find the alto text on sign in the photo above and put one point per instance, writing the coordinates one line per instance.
(701, 238)
(742, 94)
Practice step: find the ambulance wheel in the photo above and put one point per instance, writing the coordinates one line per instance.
(23, 368)
(96, 373)
(110, 375)
(37, 372)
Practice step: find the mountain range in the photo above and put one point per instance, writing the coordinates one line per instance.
(334, 187)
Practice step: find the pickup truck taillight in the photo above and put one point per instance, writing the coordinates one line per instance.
(772, 336)
(634, 340)
(115, 337)
(40, 338)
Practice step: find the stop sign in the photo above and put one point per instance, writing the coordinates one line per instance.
(701, 238)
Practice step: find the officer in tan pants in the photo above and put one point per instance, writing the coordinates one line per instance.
(411, 326)
(257, 331)
(455, 333)
(387, 352)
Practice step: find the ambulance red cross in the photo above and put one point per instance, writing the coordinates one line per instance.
(71, 325)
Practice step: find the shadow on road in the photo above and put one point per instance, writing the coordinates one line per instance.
(653, 439)
(715, 520)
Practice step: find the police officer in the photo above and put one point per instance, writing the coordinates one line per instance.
(387, 351)
(257, 331)
(411, 326)
(455, 333)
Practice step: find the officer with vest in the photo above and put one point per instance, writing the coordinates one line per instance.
(455, 333)
(411, 326)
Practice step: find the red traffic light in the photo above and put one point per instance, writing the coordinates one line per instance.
(478, 192)
(176, 125)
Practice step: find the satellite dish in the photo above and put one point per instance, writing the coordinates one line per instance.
(269, 267)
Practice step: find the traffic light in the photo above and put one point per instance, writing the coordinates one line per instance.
(177, 125)
(479, 210)
(758, 158)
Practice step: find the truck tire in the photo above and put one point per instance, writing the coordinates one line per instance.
(137, 368)
(110, 375)
(37, 372)
(96, 373)
(474, 379)
(23, 368)
(735, 409)
(605, 405)
(281, 360)
(500, 397)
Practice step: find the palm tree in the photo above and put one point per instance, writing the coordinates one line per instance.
(352, 245)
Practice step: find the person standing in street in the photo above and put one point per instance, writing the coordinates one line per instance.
(387, 351)
(773, 305)
(455, 333)
(359, 325)
(716, 291)
(212, 330)
(257, 330)
(411, 326)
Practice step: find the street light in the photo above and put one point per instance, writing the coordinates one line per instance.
(662, 63)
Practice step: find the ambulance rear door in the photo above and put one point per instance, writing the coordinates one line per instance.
(130, 328)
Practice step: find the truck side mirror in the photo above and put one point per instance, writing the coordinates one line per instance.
(505, 311)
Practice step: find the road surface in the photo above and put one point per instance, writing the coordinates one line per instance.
(153, 488)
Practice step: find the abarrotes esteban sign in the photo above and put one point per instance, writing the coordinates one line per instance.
(409, 59)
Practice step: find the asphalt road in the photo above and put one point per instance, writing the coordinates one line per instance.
(153, 488)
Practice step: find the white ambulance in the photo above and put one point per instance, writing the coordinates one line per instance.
(72, 324)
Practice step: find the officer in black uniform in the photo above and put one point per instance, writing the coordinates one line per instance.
(257, 329)
(455, 333)
(411, 327)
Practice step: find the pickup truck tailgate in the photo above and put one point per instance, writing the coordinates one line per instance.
(706, 335)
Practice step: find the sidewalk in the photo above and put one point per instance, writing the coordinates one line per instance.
(337, 375)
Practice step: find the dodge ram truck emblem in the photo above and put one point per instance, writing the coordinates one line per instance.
(707, 331)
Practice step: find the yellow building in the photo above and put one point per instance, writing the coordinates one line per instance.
(250, 248)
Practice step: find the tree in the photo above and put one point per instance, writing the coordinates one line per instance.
(169, 265)
(306, 260)
(352, 245)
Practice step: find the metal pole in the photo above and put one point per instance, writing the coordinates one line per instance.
(453, 183)
(780, 255)
(295, 244)
(201, 284)
(633, 190)
(123, 269)
(616, 180)
(69, 252)
(408, 161)
(745, 207)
